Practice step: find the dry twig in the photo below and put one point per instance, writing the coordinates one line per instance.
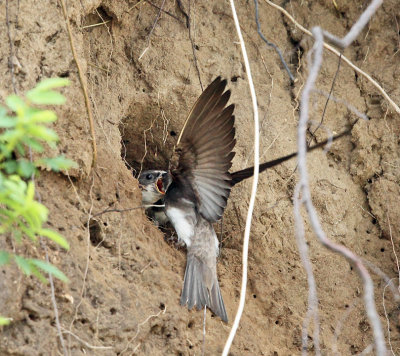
(137, 4)
(96, 24)
(392, 242)
(356, 28)
(385, 278)
(165, 11)
(93, 347)
(151, 31)
(273, 45)
(327, 99)
(182, 10)
(343, 102)
(345, 59)
(52, 289)
(138, 329)
(253, 189)
(11, 57)
(312, 308)
(304, 189)
(109, 210)
(54, 302)
(111, 43)
(83, 85)
(189, 22)
(204, 331)
(89, 217)
(387, 318)
(145, 144)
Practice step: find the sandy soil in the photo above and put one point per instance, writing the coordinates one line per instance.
(125, 280)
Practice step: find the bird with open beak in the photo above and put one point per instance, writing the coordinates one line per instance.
(152, 186)
(194, 193)
(196, 190)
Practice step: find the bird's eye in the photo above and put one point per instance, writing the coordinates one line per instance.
(149, 176)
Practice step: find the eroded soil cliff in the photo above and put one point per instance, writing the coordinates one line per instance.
(125, 279)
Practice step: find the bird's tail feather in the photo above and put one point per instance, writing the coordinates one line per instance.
(195, 291)
(238, 176)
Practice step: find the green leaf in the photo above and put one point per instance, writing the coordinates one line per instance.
(4, 257)
(55, 236)
(37, 273)
(30, 191)
(43, 116)
(15, 103)
(3, 148)
(7, 122)
(20, 214)
(40, 210)
(57, 163)
(49, 268)
(3, 111)
(34, 144)
(10, 135)
(4, 321)
(25, 168)
(51, 83)
(27, 231)
(46, 97)
(20, 149)
(23, 264)
(10, 166)
(14, 183)
(44, 133)
(6, 213)
(17, 234)
(10, 203)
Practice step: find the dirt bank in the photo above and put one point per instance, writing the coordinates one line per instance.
(125, 280)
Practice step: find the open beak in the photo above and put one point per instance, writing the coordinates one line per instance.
(160, 186)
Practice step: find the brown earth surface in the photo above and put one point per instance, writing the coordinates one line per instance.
(125, 280)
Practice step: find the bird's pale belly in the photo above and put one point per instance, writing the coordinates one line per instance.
(182, 223)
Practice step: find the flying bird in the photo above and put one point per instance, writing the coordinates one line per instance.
(196, 191)
(152, 182)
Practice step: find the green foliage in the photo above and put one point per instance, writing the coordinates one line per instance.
(56, 164)
(4, 321)
(23, 130)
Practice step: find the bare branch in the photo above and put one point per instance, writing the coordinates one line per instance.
(138, 329)
(93, 347)
(356, 28)
(312, 309)
(189, 22)
(83, 85)
(253, 189)
(114, 210)
(304, 188)
(273, 45)
(11, 57)
(336, 52)
(152, 29)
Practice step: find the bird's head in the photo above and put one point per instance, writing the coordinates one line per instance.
(153, 184)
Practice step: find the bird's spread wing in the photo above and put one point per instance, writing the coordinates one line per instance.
(205, 150)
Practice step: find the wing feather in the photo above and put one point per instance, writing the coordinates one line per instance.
(205, 150)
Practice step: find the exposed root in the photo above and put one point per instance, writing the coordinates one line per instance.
(83, 85)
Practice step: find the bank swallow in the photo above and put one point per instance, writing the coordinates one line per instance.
(195, 191)
(152, 182)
